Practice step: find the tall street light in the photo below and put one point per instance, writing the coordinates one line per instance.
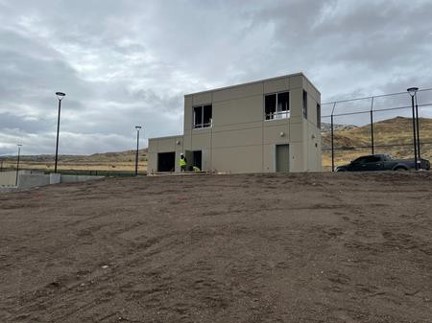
(138, 128)
(17, 166)
(418, 130)
(412, 92)
(60, 97)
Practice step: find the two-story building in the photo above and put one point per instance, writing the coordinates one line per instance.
(271, 125)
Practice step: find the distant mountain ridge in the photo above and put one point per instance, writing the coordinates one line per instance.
(326, 127)
(392, 136)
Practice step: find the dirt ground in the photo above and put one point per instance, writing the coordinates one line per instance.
(234, 248)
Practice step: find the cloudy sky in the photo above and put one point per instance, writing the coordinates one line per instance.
(123, 63)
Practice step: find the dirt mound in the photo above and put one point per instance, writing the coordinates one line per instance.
(241, 248)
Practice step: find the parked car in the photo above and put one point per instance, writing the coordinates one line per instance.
(382, 162)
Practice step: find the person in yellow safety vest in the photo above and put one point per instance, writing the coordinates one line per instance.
(182, 163)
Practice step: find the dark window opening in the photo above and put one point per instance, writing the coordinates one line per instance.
(197, 159)
(318, 116)
(276, 106)
(202, 116)
(198, 117)
(305, 104)
(166, 162)
(270, 106)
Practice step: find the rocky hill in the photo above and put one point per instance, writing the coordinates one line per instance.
(391, 136)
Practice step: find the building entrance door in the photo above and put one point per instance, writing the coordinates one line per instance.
(282, 158)
(197, 159)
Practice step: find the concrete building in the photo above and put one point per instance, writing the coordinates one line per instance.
(271, 125)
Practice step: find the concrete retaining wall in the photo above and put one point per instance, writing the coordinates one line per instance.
(32, 180)
(28, 179)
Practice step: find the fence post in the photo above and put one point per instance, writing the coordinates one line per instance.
(332, 142)
(332, 136)
(418, 130)
(414, 132)
(372, 127)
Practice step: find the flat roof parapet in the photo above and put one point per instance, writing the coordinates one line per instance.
(254, 82)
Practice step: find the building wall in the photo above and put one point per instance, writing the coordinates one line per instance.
(164, 145)
(240, 140)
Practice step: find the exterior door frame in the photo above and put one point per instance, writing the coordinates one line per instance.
(276, 158)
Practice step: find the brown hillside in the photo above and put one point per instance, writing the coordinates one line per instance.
(392, 136)
(110, 161)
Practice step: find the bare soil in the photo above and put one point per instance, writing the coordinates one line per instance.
(234, 248)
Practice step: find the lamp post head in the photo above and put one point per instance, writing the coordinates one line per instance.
(412, 90)
(60, 95)
(137, 127)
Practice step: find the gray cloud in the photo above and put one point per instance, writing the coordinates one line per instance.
(128, 62)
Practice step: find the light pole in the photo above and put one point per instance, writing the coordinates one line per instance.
(138, 128)
(418, 130)
(60, 97)
(17, 166)
(412, 92)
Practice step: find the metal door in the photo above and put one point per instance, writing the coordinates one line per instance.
(282, 158)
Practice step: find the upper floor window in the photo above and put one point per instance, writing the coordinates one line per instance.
(277, 106)
(305, 104)
(318, 107)
(202, 116)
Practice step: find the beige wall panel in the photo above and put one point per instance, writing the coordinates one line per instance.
(296, 103)
(151, 162)
(206, 160)
(314, 149)
(240, 111)
(152, 145)
(201, 98)
(269, 157)
(237, 160)
(200, 141)
(277, 85)
(296, 157)
(187, 124)
(199, 133)
(296, 132)
(296, 120)
(8, 178)
(312, 112)
(237, 92)
(237, 138)
(313, 93)
(166, 144)
(272, 133)
(239, 126)
(296, 81)
(169, 144)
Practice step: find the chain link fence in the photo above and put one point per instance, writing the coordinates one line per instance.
(377, 124)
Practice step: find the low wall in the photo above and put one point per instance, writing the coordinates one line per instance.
(32, 180)
(7, 178)
(28, 179)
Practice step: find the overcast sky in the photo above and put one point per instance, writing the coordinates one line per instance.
(123, 63)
